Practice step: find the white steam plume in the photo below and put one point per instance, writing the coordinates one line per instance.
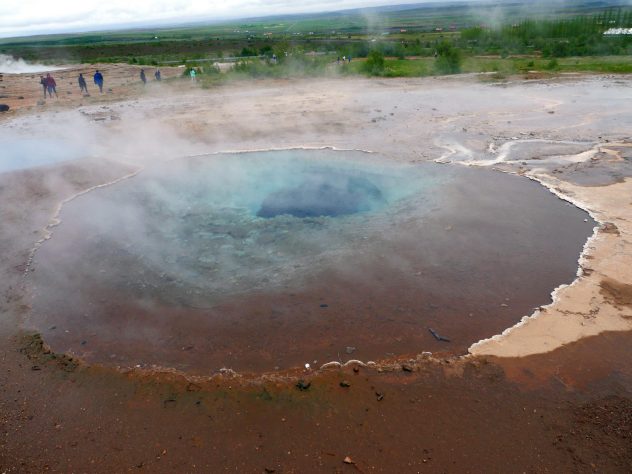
(11, 65)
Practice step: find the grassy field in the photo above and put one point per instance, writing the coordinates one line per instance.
(507, 37)
(498, 68)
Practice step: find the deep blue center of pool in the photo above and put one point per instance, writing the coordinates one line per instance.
(329, 193)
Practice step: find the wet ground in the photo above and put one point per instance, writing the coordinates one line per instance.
(431, 417)
(563, 410)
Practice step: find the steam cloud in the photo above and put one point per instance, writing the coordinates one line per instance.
(11, 65)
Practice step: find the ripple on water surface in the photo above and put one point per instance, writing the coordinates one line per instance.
(264, 260)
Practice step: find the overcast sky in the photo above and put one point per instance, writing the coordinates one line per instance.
(27, 17)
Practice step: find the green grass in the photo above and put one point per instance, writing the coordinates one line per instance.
(393, 67)
(521, 65)
(502, 68)
(406, 36)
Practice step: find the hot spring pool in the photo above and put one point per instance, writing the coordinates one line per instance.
(269, 260)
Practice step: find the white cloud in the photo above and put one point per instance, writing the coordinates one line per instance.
(25, 17)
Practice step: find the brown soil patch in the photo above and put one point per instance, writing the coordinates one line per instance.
(611, 418)
(610, 228)
(617, 293)
(427, 416)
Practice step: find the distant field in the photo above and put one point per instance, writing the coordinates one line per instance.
(505, 37)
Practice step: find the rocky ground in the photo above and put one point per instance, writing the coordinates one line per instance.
(553, 394)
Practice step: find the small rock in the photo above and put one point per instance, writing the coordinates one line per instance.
(4, 108)
(345, 384)
(407, 368)
(303, 386)
(324, 305)
(348, 460)
(350, 349)
(380, 396)
(269, 470)
(437, 336)
(36, 367)
(356, 369)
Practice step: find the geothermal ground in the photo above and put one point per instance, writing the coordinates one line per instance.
(550, 392)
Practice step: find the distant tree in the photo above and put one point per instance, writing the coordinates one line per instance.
(245, 52)
(448, 59)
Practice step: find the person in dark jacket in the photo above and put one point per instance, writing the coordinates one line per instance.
(157, 75)
(44, 86)
(83, 87)
(98, 80)
(142, 76)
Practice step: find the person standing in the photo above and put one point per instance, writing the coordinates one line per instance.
(98, 80)
(83, 87)
(51, 85)
(157, 75)
(143, 77)
(192, 74)
(44, 86)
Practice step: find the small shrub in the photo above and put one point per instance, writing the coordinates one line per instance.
(552, 65)
(374, 64)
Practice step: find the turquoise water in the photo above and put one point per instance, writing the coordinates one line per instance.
(204, 226)
(251, 181)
